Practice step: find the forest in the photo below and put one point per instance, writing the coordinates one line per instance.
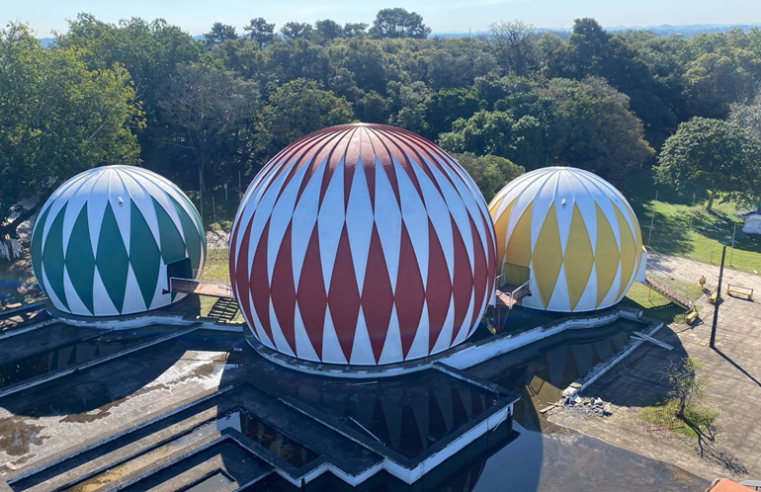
(212, 111)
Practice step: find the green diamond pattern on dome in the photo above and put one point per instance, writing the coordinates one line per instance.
(52, 257)
(136, 229)
(144, 255)
(112, 259)
(36, 250)
(190, 232)
(172, 244)
(80, 262)
(196, 219)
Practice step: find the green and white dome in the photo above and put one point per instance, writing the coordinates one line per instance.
(102, 241)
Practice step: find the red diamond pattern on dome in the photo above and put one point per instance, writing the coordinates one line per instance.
(384, 231)
(343, 296)
(282, 290)
(377, 296)
(409, 288)
(438, 294)
(462, 283)
(259, 285)
(311, 295)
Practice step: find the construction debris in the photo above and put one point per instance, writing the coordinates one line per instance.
(647, 338)
(594, 406)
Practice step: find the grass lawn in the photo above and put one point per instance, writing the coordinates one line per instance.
(215, 269)
(696, 418)
(681, 229)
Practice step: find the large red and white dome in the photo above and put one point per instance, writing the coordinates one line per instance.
(362, 244)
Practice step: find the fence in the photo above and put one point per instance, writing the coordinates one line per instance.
(671, 289)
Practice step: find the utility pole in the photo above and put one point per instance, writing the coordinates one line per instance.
(652, 220)
(734, 231)
(718, 300)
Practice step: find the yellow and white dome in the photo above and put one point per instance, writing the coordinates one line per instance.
(572, 235)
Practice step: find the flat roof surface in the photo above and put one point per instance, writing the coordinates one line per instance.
(159, 406)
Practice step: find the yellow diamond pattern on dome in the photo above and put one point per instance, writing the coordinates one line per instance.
(637, 237)
(598, 230)
(578, 259)
(500, 226)
(606, 255)
(628, 251)
(548, 249)
(518, 252)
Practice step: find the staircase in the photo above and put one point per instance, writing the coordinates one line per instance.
(677, 295)
(224, 309)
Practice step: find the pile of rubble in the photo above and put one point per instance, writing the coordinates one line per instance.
(593, 406)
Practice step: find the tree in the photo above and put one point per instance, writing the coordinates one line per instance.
(589, 47)
(716, 80)
(258, 30)
(448, 105)
(57, 118)
(355, 29)
(747, 116)
(219, 33)
(490, 172)
(398, 23)
(709, 156)
(486, 132)
(591, 127)
(513, 45)
(149, 51)
(408, 104)
(294, 30)
(687, 387)
(327, 30)
(295, 109)
(209, 110)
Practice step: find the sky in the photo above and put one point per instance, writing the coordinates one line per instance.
(443, 16)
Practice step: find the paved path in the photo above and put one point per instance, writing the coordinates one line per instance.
(690, 271)
(733, 447)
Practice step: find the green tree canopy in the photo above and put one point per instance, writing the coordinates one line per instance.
(57, 118)
(709, 156)
(592, 128)
(514, 46)
(399, 23)
(327, 30)
(220, 33)
(293, 30)
(295, 109)
(490, 172)
(355, 29)
(260, 31)
(211, 113)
